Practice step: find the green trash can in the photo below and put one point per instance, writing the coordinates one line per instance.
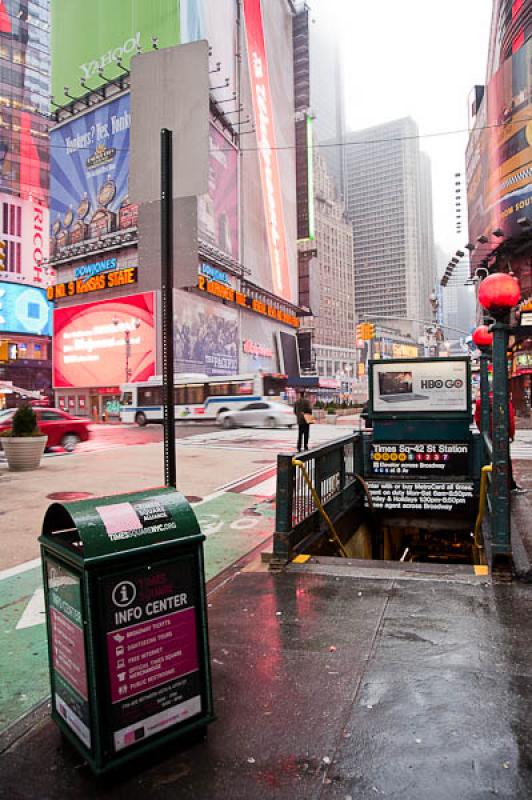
(127, 623)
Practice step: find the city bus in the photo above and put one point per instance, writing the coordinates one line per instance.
(198, 396)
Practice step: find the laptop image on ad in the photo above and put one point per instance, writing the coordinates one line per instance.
(396, 387)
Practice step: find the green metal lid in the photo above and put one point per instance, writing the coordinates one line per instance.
(120, 523)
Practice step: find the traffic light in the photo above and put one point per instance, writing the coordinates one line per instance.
(2, 254)
(366, 331)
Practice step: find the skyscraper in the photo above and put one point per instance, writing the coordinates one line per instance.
(389, 203)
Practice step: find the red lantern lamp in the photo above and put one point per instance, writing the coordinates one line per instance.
(499, 292)
(482, 336)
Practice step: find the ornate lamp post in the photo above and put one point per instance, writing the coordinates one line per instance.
(483, 339)
(127, 339)
(498, 294)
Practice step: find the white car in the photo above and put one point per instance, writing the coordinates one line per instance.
(260, 414)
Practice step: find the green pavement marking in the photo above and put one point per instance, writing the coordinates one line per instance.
(231, 533)
(23, 653)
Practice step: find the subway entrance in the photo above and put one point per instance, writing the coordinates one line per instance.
(406, 490)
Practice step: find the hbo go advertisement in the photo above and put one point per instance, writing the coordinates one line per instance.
(406, 386)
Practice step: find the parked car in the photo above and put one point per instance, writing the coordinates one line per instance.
(62, 429)
(260, 414)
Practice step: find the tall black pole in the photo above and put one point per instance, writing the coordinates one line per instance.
(167, 304)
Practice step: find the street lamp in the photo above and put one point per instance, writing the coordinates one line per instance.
(483, 339)
(498, 294)
(134, 324)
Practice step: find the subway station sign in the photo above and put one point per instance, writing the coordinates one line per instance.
(244, 301)
(433, 459)
(94, 283)
(423, 495)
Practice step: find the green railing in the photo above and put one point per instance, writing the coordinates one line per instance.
(331, 469)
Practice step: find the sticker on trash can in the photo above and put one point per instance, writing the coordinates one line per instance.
(152, 650)
(127, 520)
(68, 649)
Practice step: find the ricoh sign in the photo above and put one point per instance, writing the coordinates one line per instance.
(426, 385)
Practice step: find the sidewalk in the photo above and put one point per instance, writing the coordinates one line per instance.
(336, 686)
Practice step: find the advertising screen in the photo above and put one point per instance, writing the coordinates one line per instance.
(99, 344)
(499, 153)
(218, 209)
(436, 385)
(89, 176)
(206, 336)
(24, 309)
(90, 36)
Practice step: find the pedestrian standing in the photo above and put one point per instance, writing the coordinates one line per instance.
(303, 412)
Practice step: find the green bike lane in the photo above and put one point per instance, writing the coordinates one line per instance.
(234, 521)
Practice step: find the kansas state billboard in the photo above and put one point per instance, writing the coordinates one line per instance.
(89, 175)
(24, 309)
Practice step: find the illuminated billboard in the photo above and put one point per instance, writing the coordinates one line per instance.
(218, 209)
(25, 98)
(97, 344)
(89, 176)
(499, 153)
(267, 148)
(87, 37)
(24, 309)
(206, 336)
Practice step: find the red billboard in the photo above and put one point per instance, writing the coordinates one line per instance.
(105, 343)
(266, 141)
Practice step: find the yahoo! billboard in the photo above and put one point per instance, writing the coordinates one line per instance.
(96, 344)
(89, 176)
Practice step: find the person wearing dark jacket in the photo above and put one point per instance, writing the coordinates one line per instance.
(302, 407)
(511, 430)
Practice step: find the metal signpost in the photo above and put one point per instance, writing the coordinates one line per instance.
(167, 304)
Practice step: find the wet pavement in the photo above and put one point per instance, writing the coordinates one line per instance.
(336, 686)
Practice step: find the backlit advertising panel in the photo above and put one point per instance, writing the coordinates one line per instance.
(24, 309)
(206, 336)
(89, 176)
(499, 154)
(97, 344)
(431, 386)
(218, 209)
(266, 142)
(87, 37)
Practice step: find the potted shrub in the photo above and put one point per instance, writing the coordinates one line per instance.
(24, 443)
(331, 415)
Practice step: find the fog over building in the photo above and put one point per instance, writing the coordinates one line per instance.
(388, 196)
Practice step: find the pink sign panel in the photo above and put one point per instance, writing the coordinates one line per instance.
(68, 651)
(149, 654)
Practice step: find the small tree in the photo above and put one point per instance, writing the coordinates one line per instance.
(25, 422)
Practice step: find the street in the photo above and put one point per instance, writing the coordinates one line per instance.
(228, 476)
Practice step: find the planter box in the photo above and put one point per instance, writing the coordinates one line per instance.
(330, 419)
(23, 452)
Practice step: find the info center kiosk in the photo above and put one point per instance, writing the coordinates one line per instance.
(422, 459)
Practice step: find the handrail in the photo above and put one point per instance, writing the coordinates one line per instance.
(296, 462)
(481, 506)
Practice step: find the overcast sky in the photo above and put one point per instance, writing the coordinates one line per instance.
(417, 58)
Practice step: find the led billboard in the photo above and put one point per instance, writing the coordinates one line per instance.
(267, 148)
(97, 344)
(218, 209)
(87, 37)
(206, 336)
(499, 153)
(24, 309)
(89, 176)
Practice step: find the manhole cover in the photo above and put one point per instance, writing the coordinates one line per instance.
(192, 498)
(65, 496)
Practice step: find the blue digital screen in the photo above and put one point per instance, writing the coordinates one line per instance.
(24, 309)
